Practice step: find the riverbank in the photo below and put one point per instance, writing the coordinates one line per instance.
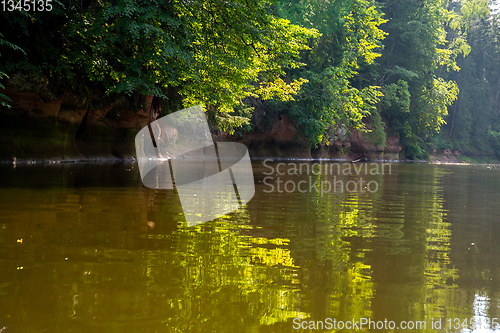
(63, 129)
(66, 130)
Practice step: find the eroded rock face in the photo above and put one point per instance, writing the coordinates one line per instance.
(447, 156)
(283, 130)
(41, 126)
(65, 128)
(362, 148)
(31, 104)
(282, 141)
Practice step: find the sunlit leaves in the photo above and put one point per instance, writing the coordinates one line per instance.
(240, 51)
(328, 101)
(362, 32)
(473, 9)
(425, 40)
(441, 95)
(280, 89)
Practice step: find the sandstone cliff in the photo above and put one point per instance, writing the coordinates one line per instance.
(42, 127)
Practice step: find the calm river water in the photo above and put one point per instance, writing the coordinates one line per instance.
(87, 248)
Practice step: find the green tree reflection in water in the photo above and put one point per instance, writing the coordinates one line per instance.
(78, 257)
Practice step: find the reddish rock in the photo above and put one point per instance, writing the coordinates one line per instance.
(283, 130)
(361, 148)
(31, 104)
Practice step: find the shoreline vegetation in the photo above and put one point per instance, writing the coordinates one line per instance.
(305, 79)
(132, 160)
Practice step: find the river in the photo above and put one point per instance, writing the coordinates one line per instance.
(87, 248)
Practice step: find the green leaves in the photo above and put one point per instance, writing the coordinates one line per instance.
(240, 51)
(131, 47)
(328, 101)
(362, 35)
(437, 99)
(426, 39)
(4, 100)
(330, 65)
(216, 52)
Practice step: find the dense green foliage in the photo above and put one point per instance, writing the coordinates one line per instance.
(473, 126)
(216, 52)
(382, 67)
(350, 35)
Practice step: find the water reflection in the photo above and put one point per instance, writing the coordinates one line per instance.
(78, 253)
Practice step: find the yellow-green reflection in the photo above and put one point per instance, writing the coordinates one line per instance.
(88, 249)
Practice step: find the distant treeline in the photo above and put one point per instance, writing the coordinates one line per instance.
(426, 70)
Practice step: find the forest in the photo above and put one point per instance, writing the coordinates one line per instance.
(424, 70)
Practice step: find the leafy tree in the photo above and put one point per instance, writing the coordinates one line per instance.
(374, 66)
(211, 52)
(240, 50)
(415, 49)
(350, 37)
(472, 121)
